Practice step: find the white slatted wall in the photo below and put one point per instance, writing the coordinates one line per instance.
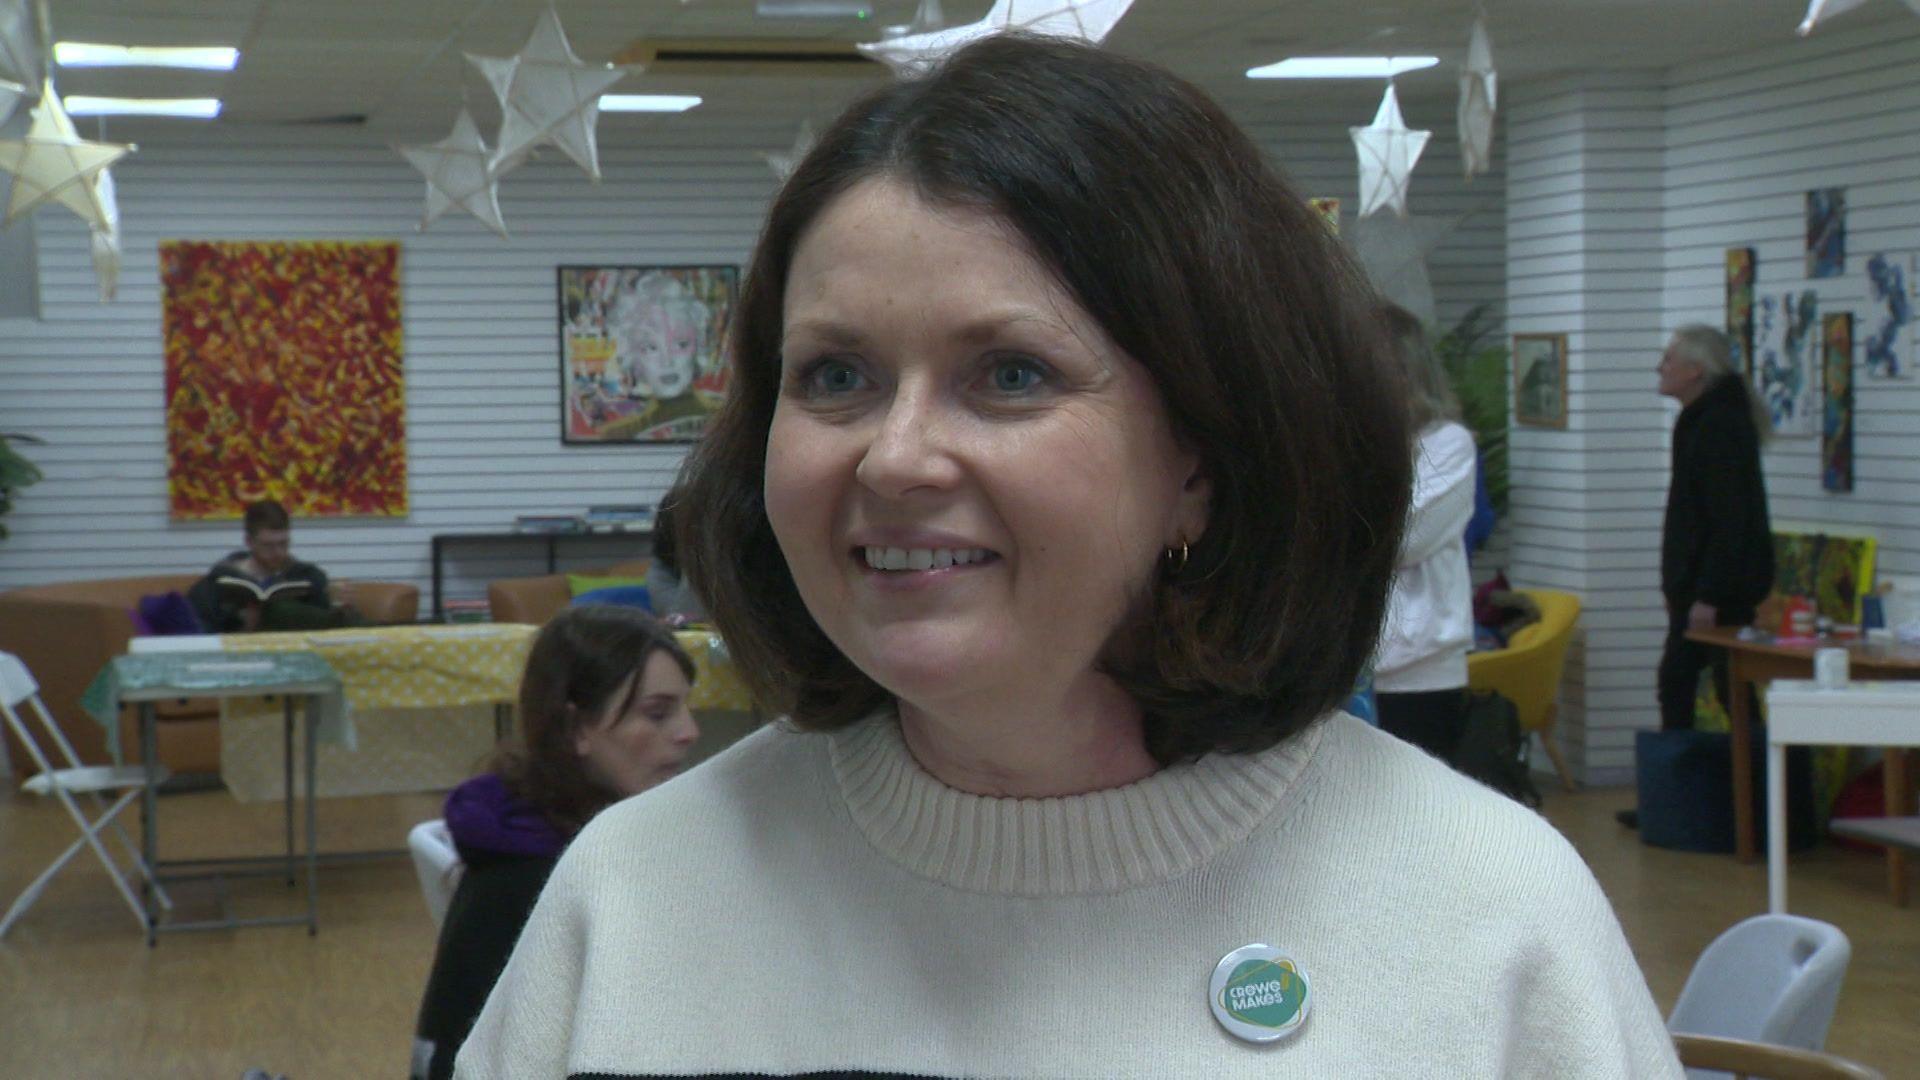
(482, 380)
(1624, 190)
(1746, 139)
(1583, 258)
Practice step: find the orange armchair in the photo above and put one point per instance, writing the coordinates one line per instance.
(1528, 670)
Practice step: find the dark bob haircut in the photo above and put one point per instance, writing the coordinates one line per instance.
(1167, 225)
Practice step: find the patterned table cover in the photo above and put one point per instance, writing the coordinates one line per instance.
(196, 673)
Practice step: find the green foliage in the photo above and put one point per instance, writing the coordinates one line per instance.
(15, 472)
(1474, 356)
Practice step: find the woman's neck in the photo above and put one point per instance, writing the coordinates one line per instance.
(1090, 738)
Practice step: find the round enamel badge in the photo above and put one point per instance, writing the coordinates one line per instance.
(1259, 994)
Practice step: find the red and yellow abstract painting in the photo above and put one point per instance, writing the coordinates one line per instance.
(284, 377)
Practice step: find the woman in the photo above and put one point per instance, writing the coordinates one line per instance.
(1055, 507)
(1420, 674)
(603, 715)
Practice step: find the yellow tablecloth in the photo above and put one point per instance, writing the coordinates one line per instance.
(420, 703)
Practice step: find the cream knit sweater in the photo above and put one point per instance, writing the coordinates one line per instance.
(820, 904)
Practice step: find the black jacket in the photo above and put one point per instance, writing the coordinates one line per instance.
(1717, 546)
(489, 908)
(220, 613)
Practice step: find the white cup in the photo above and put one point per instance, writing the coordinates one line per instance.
(1830, 667)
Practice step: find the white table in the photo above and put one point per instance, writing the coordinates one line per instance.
(1800, 712)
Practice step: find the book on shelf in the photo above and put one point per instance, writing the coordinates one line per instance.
(548, 523)
(240, 588)
(632, 517)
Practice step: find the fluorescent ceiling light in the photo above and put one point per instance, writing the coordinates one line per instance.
(196, 108)
(647, 102)
(204, 57)
(1342, 67)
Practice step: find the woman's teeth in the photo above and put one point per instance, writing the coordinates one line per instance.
(893, 558)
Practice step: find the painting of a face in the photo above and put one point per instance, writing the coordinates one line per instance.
(642, 350)
(662, 343)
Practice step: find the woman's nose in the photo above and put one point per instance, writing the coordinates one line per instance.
(909, 447)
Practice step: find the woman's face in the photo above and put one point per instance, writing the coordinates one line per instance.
(663, 340)
(969, 481)
(630, 749)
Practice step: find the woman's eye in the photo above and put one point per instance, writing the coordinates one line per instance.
(832, 377)
(1016, 376)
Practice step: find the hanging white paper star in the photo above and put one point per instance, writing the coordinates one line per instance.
(1819, 10)
(106, 241)
(1387, 149)
(782, 162)
(54, 162)
(926, 18)
(459, 172)
(1085, 20)
(547, 96)
(20, 55)
(1477, 102)
(10, 95)
(1394, 249)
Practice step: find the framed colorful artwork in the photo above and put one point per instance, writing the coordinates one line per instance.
(1786, 360)
(1836, 430)
(1826, 232)
(284, 377)
(1889, 348)
(1740, 274)
(1540, 380)
(643, 351)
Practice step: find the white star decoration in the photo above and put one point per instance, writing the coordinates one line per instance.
(926, 18)
(1818, 10)
(1394, 250)
(106, 242)
(1087, 20)
(19, 57)
(10, 95)
(1387, 151)
(54, 162)
(459, 171)
(1477, 102)
(547, 96)
(782, 162)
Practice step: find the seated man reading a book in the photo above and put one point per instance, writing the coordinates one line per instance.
(263, 587)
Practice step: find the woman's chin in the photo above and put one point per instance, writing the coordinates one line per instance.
(929, 674)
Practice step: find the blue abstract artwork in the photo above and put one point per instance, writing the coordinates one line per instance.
(1826, 232)
(1889, 348)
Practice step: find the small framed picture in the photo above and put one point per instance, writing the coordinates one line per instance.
(1540, 380)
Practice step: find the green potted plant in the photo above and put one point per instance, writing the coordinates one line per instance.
(1475, 360)
(15, 471)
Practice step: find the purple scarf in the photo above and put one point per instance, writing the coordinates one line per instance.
(483, 815)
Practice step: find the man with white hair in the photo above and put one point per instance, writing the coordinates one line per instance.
(1716, 548)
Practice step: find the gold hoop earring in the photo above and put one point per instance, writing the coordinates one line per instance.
(1176, 562)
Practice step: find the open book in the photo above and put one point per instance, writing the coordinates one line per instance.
(239, 588)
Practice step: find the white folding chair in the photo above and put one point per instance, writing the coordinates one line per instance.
(65, 781)
(437, 863)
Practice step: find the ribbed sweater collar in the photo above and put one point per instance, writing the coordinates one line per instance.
(1106, 841)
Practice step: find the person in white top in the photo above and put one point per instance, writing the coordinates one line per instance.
(1053, 507)
(1420, 671)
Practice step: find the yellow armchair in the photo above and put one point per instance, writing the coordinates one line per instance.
(1528, 670)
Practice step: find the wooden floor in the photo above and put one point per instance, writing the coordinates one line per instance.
(80, 995)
